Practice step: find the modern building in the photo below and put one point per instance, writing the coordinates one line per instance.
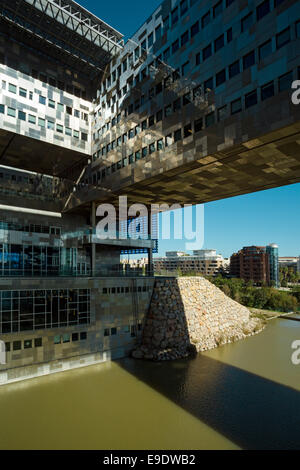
(289, 262)
(204, 262)
(256, 263)
(196, 106)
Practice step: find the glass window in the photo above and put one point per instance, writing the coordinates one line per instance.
(198, 126)
(246, 22)
(177, 135)
(38, 342)
(41, 122)
(2, 109)
(229, 35)
(184, 7)
(61, 109)
(205, 20)
(218, 8)
(265, 50)
(50, 124)
(160, 144)
(42, 99)
(51, 104)
(221, 77)
(151, 148)
(23, 92)
(168, 140)
(251, 99)
(219, 43)
(249, 60)
(234, 69)
(31, 119)
(236, 106)
(84, 136)
(174, 16)
(27, 343)
(68, 131)
(175, 46)
(66, 338)
(59, 128)
(57, 339)
(263, 9)
(11, 112)
(195, 29)
(184, 38)
(209, 119)
(144, 152)
(12, 88)
(76, 134)
(207, 52)
(22, 116)
(285, 81)
(267, 91)
(298, 29)
(283, 38)
(17, 345)
(222, 113)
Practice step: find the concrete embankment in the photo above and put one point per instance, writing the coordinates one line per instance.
(191, 315)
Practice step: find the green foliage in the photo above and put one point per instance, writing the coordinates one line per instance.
(265, 298)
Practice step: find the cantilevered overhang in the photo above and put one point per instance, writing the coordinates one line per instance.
(65, 29)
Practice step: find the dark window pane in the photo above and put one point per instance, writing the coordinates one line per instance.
(283, 38)
(263, 9)
(234, 69)
(251, 99)
(285, 81)
(249, 60)
(267, 91)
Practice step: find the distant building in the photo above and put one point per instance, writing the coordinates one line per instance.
(290, 262)
(256, 263)
(205, 262)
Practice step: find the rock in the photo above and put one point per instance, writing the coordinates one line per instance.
(189, 315)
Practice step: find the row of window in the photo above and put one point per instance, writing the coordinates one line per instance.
(67, 338)
(221, 77)
(59, 128)
(250, 99)
(172, 19)
(282, 38)
(46, 102)
(126, 289)
(247, 61)
(30, 228)
(60, 84)
(38, 342)
(26, 344)
(127, 329)
(35, 310)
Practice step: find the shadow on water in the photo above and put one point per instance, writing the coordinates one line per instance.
(251, 411)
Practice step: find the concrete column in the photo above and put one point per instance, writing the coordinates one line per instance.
(93, 220)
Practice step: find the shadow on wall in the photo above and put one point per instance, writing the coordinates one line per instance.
(251, 411)
(165, 334)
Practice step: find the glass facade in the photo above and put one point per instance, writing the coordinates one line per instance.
(31, 260)
(272, 251)
(31, 310)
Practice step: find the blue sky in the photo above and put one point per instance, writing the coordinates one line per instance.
(255, 219)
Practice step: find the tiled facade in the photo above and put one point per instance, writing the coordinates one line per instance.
(111, 332)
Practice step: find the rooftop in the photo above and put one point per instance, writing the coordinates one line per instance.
(65, 28)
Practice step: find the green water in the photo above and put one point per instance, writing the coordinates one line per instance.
(244, 395)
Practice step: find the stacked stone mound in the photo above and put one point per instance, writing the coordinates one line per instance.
(190, 315)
